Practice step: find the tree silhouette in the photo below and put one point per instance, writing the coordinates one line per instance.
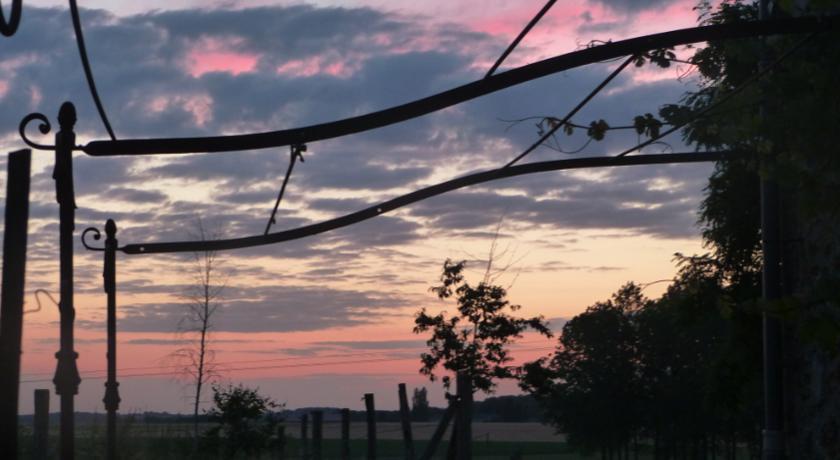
(420, 409)
(677, 370)
(795, 143)
(244, 421)
(590, 385)
(476, 340)
(195, 361)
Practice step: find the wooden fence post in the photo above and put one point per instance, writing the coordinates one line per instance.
(431, 447)
(317, 433)
(405, 418)
(371, 426)
(304, 441)
(464, 418)
(41, 425)
(452, 448)
(345, 434)
(281, 442)
(11, 298)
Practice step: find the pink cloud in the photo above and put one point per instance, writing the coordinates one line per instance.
(219, 55)
(35, 96)
(510, 21)
(200, 106)
(4, 88)
(676, 16)
(317, 65)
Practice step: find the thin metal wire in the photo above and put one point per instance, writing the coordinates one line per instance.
(521, 35)
(276, 366)
(749, 81)
(222, 364)
(296, 151)
(80, 41)
(38, 300)
(572, 112)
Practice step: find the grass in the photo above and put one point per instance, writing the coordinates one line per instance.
(168, 442)
(173, 441)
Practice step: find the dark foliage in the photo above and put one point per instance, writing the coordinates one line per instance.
(476, 340)
(244, 422)
(674, 371)
(420, 410)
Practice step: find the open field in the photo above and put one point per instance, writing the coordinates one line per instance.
(499, 432)
(140, 440)
(492, 441)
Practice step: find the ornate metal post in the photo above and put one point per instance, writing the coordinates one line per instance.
(66, 373)
(112, 394)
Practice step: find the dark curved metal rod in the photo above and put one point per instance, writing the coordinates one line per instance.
(80, 40)
(44, 127)
(519, 37)
(572, 112)
(422, 194)
(460, 94)
(723, 99)
(9, 28)
(97, 235)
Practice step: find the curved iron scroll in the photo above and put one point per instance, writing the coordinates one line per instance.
(45, 127)
(9, 28)
(97, 235)
(460, 94)
(422, 194)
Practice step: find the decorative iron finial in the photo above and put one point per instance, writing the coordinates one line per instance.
(110, 229)
(67, 116)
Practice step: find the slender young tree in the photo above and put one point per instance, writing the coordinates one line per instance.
(196, 359)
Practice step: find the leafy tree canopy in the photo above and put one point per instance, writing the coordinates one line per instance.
(474, 341)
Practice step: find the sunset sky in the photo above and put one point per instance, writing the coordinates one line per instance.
(323, 320)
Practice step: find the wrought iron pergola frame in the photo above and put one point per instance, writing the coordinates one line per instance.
(67, 377)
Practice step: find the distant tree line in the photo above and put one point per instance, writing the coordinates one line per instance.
(681, 373)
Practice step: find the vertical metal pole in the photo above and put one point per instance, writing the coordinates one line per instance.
(370, 408)
(11, 298)
(112, 394)
(317, 433)
(405, 419)
(41, 425)
(772, 441)
(463, 420)
(66, 373)
(345, 434)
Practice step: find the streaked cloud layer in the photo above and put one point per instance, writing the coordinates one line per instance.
(266, 65)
